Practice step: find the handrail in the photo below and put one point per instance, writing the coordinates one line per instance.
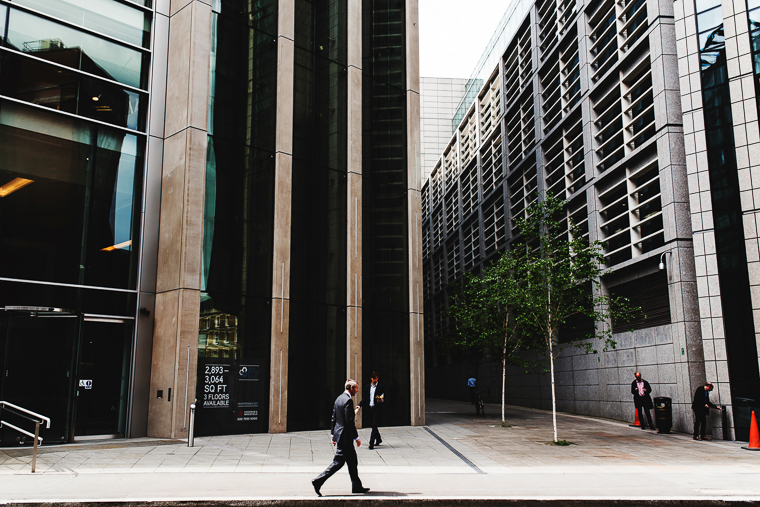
(20, 409)
(36, 435)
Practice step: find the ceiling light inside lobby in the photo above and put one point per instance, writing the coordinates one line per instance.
(13, 185)
(117, 247)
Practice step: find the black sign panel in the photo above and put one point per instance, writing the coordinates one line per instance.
(232, 396)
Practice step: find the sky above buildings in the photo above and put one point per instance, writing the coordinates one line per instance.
(454, 33)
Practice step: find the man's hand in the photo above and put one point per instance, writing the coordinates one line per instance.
(358, 442)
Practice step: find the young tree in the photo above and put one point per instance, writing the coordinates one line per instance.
(560, 272)
(482, 311)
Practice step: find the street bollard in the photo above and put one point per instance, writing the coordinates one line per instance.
(36, 439)
(191, 436)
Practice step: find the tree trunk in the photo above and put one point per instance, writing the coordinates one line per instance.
(503, 380)
(554, 396)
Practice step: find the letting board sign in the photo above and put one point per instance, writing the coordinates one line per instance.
(216, 386)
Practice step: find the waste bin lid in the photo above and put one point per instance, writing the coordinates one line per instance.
(662, 399)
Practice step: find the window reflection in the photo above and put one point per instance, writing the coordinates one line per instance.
(84, 198)
(105, 16)
(66, 46)
(39, 83)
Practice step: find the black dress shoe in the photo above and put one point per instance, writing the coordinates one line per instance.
(317, 487)
(360, 490)
(371, 447)
(380, 441)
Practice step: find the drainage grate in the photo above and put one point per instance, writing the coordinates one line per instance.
(459, 454)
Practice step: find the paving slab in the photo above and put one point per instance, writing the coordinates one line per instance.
(456, 457)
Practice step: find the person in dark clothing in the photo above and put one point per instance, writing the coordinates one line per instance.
(640, 390)
(372, 403)
(343, 433)
(701, 407)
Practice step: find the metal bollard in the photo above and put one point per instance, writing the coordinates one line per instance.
(191, 436)
(36, 439)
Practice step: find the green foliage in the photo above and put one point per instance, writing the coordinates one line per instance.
(562, 442)
(560, 273)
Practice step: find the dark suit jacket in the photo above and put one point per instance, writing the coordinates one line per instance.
(343, 419)
(379, 391)
(700, 400)
(642, 401)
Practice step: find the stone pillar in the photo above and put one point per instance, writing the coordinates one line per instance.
(283, 189)
(416, 327)
(354, 197)
(175, 339)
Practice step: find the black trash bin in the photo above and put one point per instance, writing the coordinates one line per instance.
(663, 414)
(743, 408)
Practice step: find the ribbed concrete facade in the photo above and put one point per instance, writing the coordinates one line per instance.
(586, 103)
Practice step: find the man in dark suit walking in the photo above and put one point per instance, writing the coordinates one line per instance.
(701, 407)
(372, 402)
(640, 390)
(344, 434)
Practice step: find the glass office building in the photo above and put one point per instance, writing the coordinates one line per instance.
(207, 203)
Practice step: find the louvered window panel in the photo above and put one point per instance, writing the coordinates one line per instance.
(551, 103)
(425, 200)
(638, 104)
(490, 106)
(554, 165)
(521, 131)
(634, 22)
(451, 205)
(566, 10)
(453, 265)
(450, 168)
(615, 224)
(650, 293)
(470, 243)
(522, 191)
(646, 208)
(468, 138)
(604, 40)
(469, 182)
(427, 286)
(437, 225)
(490, 156)
(425, 240)
(438, 264)
(577, 212)
(570, 74)
(436, 186)
(608, 127)
(547, 25)
(575, 159)
(493, 224)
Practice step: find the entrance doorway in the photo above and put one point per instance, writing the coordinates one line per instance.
(70, 367)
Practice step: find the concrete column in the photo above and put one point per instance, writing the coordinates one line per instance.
(416, 334)
(283, 190)
(354, 198)
(175, 338)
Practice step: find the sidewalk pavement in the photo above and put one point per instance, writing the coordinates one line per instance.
(456, 456)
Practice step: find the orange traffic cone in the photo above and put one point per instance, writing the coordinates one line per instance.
(754, 436)
(637, 423)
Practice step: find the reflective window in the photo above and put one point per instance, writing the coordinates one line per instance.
(106, 16)
(69, 208)
(710, 19)
(33, 81)
(66, 46)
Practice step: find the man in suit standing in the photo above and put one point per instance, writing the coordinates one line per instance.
(701, 407)
(372, 402)
(640, 390)
(343, 433)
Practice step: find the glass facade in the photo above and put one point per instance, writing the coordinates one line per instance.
(385, 262)
(73, 107)
(317, 349)
(727, 213)
(236, 281)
